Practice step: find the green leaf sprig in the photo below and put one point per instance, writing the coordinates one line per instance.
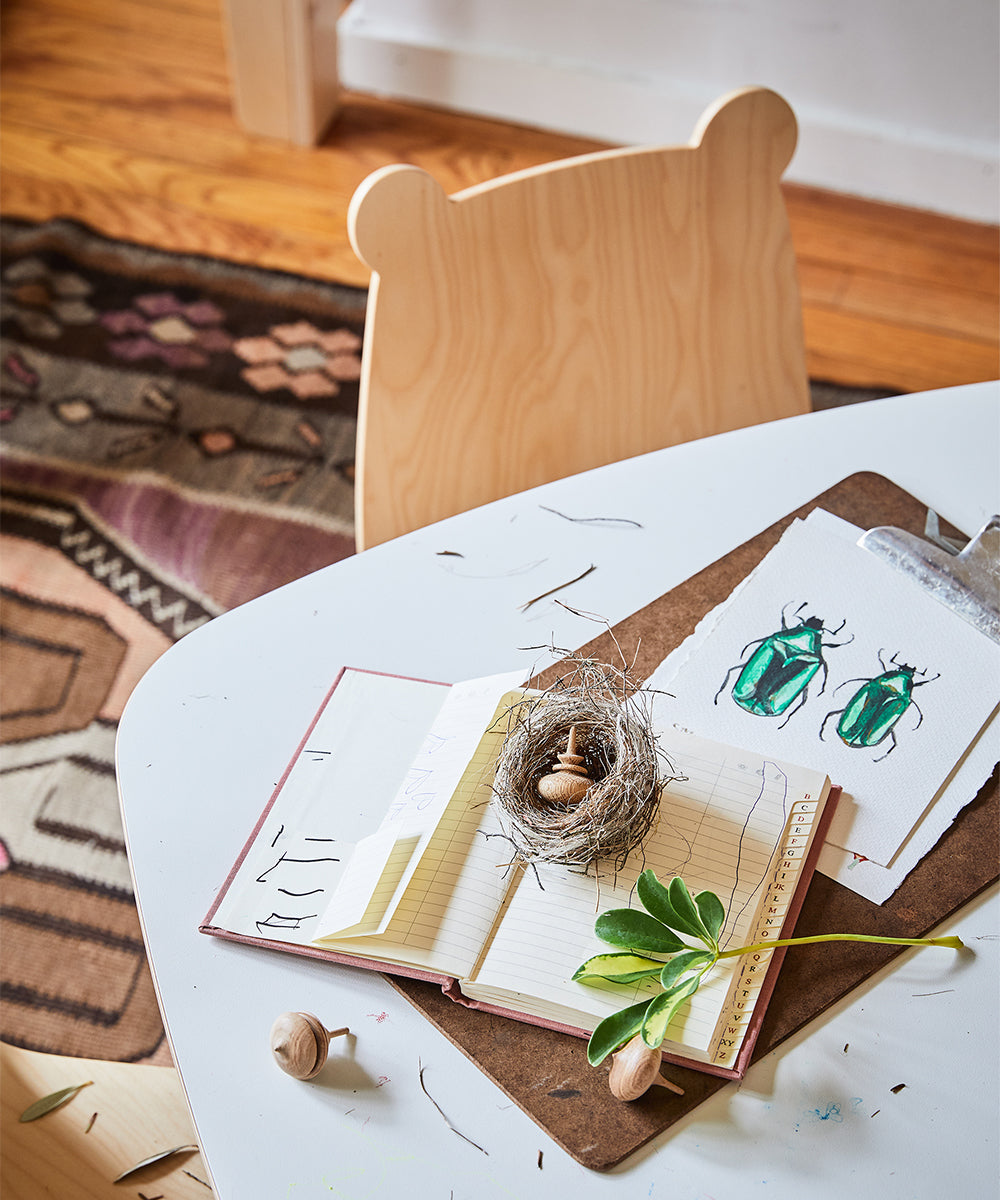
(671, 910)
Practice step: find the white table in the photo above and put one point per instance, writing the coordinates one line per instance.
(211, 727)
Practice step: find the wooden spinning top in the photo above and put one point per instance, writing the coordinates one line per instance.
(569, 783)
(635, 1069)
(300, 1043)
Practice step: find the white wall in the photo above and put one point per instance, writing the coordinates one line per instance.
(897, 99)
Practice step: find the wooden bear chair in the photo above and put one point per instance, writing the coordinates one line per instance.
(573, 314)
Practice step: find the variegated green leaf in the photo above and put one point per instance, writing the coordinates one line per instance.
(712, 914)
(660, 1011)
(620, 968)
(663, 903)
(615, 1031)
(680, 964)
(635, 930)
(686, 910)
(655, 900)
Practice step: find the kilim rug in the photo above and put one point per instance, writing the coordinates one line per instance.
(178, 437)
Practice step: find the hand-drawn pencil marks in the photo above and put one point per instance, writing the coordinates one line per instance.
(295, 875)
(284, 921)
(781, 779)
(285, 859)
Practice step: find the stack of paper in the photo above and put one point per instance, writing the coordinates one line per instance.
(829, 657)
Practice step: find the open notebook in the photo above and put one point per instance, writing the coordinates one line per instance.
(380, 847)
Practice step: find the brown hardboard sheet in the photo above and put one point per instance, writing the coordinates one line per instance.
(547, 1074)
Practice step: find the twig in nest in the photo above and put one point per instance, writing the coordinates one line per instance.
(423, 1088)
(516, 860)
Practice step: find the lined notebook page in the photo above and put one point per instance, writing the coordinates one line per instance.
(459, 873)
(383, 865)
(368, 884)
(720, 828)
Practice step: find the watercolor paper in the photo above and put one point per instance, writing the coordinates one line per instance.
(855, 624)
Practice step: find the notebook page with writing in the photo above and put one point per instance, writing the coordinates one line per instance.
(384, 864)
(721, 828)
(293, 861)
(456, 880)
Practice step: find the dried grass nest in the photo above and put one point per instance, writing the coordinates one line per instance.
(621, 755)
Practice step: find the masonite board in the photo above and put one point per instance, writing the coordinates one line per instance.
(547, 1074)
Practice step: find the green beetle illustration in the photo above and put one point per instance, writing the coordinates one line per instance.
(781, 668)
(871, 714)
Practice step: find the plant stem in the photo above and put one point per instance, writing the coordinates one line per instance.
(953, 943)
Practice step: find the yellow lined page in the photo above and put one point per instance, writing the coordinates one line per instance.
(458, 876)
(720, 828)
(359, 905)
(380, 869)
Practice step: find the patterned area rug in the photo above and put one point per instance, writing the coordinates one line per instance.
(178, 437)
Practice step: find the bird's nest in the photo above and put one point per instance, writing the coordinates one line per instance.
(615, 737)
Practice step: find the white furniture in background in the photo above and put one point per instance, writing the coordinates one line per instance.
(210, 729)
(283, 65)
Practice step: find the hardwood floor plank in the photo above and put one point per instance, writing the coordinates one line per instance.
(155, 83)
(193, 101)
(882, 239)
(202, 190)
(174, 132)
(862, 352)
(179, 129)
(39, 31)
(878, 216)
(143, 219)
(158, 20)
(942, 309)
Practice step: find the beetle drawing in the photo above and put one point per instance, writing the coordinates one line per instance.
(781, 668)
(871, 714)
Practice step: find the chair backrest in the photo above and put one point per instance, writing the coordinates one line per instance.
(573, 314)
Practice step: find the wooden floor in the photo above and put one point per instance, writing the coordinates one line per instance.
(117, 113)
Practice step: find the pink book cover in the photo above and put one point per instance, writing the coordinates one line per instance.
(450, 986)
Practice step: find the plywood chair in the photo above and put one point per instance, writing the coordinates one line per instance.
(127, 1114)
(573, 315)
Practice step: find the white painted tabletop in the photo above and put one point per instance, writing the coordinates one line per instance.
(210, 728)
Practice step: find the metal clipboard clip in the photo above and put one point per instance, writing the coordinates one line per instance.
(966, 580)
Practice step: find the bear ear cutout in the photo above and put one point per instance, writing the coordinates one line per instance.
(751, 115)
(391, 209)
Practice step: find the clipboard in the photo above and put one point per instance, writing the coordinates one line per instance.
(547, 1074)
